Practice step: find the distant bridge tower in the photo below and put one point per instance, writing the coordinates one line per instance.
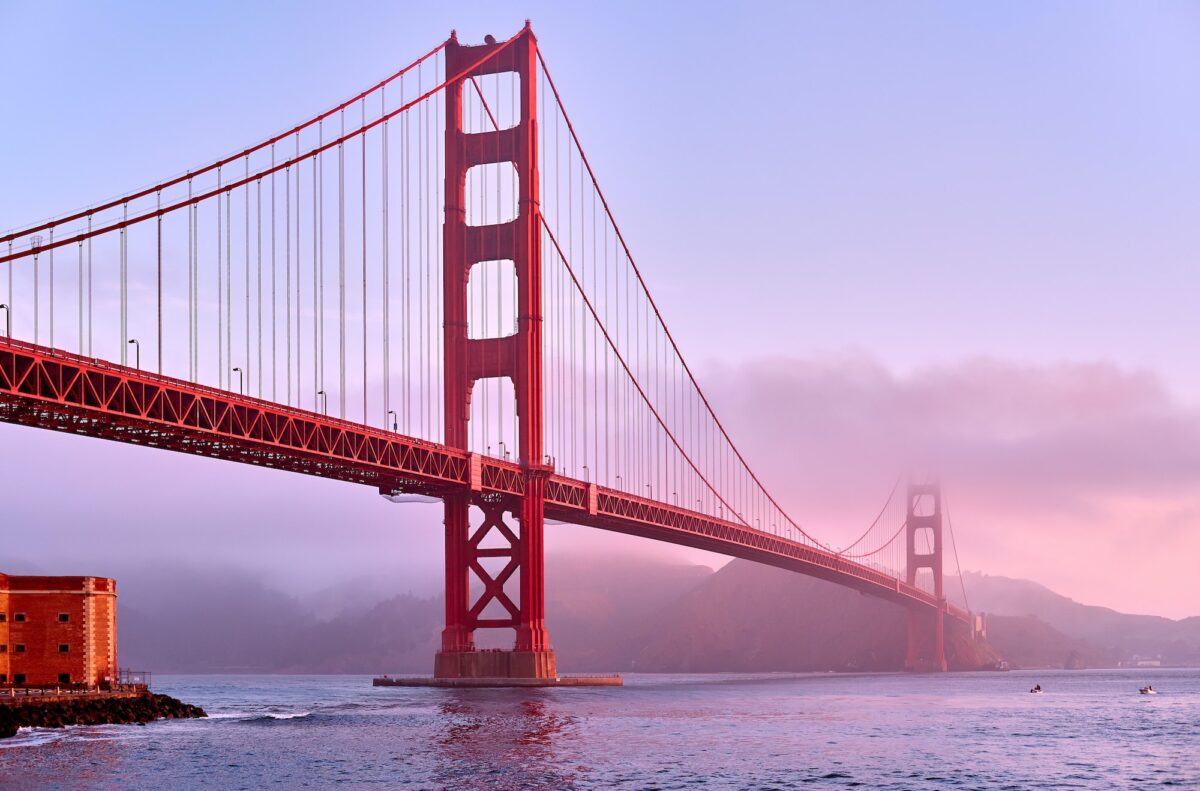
(923, 533)
(517, 357)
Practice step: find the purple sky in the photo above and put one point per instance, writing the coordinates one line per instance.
(960, 234)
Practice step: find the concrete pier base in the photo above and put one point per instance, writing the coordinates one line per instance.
(494, 664)
(498, 668)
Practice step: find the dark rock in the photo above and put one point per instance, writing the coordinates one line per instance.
(93, 711)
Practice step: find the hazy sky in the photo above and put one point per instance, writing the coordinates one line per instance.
(968, 228)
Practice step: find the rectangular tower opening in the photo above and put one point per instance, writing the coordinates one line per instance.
(491, 102)
(492, 300)
(491, 194)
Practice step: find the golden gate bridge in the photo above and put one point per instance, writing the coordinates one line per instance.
(424, 290)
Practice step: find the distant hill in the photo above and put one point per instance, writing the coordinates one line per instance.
(621, 614)
(1104, 634)
(176, 619)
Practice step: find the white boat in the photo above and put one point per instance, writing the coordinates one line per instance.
(1148, 691)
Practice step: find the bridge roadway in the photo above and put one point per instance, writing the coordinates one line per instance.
(52, 389)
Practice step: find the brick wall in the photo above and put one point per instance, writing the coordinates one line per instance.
(59, 629)
(5, 675)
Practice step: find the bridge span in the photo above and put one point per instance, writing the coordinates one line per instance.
(485, 299)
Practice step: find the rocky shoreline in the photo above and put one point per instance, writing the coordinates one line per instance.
(139, 709)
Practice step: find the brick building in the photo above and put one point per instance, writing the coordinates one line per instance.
(58, 630)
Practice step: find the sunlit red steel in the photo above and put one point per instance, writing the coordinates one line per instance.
(509, 501)
(51, 389)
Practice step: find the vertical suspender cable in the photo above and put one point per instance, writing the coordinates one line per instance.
(220, 292)
(342, 273)
(366, 415)
(435, 217)
(423, 291)
(79, 294)
(258, 290)
(158, 198)
(406, 283)
(124, 286)
(287, 281)
(9, 266)
(228, 288)
(191, 283)
(246, 233)
(52, 286)
(37, 294)
(89, 288)
(299, 282)
(387, 294)
(195, 328)
(274, 298)
(321, 281)
(321, 255)
(316, 255)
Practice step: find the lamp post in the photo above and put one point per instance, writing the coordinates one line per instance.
(7, 321)
(137, 352)
(395, 420)
(324, 402)
(241, 381)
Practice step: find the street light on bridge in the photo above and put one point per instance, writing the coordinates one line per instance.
(7, 321)
(395, 420)
(137, 351)
(241, 381)
(324, 401)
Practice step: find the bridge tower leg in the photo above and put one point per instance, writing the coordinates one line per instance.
(518, 357)
(925, 634)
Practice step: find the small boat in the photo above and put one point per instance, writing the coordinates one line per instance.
(1037, 690)
(1148, 690)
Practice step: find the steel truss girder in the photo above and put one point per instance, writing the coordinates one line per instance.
(56, 390)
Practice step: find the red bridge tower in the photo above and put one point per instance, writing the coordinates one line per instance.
(926, 636)
(518, 357)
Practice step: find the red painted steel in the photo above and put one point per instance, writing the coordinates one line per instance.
(494, 509)
(279, 167)
(57, 390)
(517, 357)
(925, 635)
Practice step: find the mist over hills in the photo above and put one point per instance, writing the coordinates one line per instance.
(1032, 624)
(615, 614)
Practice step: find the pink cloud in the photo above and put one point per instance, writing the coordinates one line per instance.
(1084, 476)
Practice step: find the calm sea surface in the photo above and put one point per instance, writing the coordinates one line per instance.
(1090, 730)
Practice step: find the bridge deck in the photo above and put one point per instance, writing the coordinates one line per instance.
(49, 388)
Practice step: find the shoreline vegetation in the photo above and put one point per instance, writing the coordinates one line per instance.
(126, 709)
